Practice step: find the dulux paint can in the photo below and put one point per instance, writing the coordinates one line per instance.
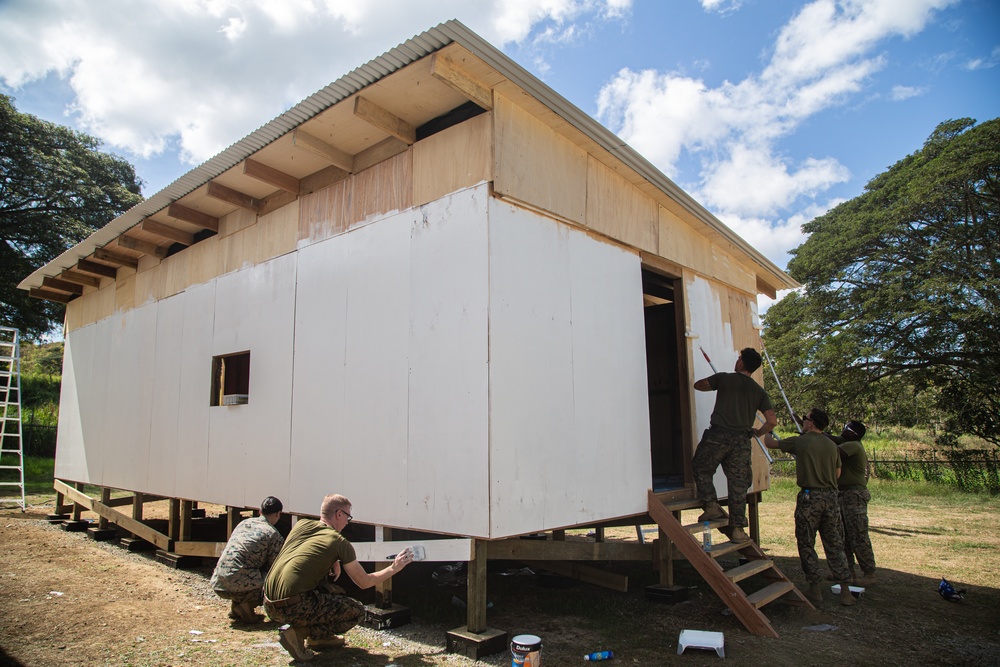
(526, 651)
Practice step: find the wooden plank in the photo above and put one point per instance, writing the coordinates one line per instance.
(748, 569)
(317, 146)
(385, 187)
(770, 593)
(619, 209)
(116, 258)
(444, 551)
(133, 526)
(271, 176)
(82, 279)
(455, 158)
(277, 200)
(167, 232)
(235, 197)
(186, 214)
(384, 120)
(96, 268)
(203, 549)
(62, 285)
(383, 150)
(516, 549)
(447, 70)
(585, 573)
(48, 295)
(322, 178)
(145, 247)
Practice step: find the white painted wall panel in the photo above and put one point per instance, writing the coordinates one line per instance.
(567, 423)
(195, 330)
(128, 401)
(93, 391)
(448, 472)
(164, 418)
(71, 451)
(249, 444)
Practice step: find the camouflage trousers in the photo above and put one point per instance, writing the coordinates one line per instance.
(732, 450)
(325, 614)
(854, 511)
(254, 596)
(820, 511)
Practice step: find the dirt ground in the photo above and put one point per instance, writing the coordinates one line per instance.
(66, 599)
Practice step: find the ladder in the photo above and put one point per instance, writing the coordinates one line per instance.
(746, 607)
(11, 451)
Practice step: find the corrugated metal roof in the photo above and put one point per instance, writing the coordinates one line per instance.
(395, 59)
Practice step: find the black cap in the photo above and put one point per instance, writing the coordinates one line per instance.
(271, 505)
(856, 427)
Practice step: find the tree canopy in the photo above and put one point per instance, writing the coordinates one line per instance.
(901, 307)
(56, 188)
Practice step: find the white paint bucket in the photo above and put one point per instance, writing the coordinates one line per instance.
(526, 651)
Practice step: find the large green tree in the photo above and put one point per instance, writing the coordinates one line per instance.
(901, 307)
(56, 188)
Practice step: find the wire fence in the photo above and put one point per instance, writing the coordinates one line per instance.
(970, 470)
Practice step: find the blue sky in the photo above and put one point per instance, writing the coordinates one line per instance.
(769, 112)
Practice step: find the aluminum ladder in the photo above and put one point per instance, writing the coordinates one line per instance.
(11, 450)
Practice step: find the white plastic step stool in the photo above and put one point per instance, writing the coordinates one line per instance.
(856, 591)
(712, 641)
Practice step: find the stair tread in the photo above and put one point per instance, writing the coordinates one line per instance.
(749, 569)
(770, 593)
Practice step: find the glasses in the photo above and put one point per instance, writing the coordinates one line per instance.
(349, 517)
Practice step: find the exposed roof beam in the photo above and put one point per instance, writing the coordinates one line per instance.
(76, 277)
(384, 120)
(383, 150)
(168, 232)
(62, 285)
(49, 295)
(447, 70)
(104, 270)
(186, 214)
(116, 258)
(317, 146)
(323, 178)
(271, 176)
(145, 247)
(234, 197)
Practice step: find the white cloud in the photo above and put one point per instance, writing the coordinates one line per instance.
(900, 93)
(721, 6)
(984, 63)
(200, 74)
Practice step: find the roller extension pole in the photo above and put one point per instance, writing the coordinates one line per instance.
(767, 454)
(775, 374)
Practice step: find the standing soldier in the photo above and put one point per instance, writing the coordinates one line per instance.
(817, 466)
(727, 440)
(854, 497)
(239, 574)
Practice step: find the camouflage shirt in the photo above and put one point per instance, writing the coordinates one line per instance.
(248, 555)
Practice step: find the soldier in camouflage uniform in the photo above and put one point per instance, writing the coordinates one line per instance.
(817, 466)
(239, 574)
(727, 441)
(854, 498)
(296, 591)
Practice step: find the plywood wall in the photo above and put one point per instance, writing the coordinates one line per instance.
(456, 158)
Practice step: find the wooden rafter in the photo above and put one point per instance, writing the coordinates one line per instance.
(271, 176)
(49, 295)
(167, 232)
(97, 269)
(83, 279)
(317, 146)
(116, 258)
(234, 197)
(384, 120)
(447, 70)
(62, 285)
(145, 247)
(198, 218)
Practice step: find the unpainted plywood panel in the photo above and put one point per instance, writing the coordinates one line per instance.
(76, 311)
(726, 269)
(236, 221)
(448, 422)
(382, 188)
(147, 285)
(105, 301)
(536, 165)
(325, 213)
(195, 329)
(249, 444)
(174, 274)
(239, 250)
(129, 399)
(618, 209)
(452, 159)
(203, 261)
(679, 243)
(125, 292)
(278, 232)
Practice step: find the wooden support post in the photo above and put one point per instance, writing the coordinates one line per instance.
(61, 506)
(599, 534)
(174, 519)
(383, 591)
(77, 507)
(103, 523)
(477, 587)
(753, 514)
(558, 535)
(666, 557)
(233, 517)
(185, 520)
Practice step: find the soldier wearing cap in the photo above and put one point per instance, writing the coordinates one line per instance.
(852, 488)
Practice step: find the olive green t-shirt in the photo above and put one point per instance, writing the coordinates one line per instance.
(816, 460)
(854, 464)
(738, 399)
(310, 550)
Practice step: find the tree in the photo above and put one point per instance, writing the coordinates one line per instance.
(902, 289)
(56, 188)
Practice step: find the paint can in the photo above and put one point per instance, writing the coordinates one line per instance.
(526, 651)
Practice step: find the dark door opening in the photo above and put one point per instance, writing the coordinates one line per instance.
(663, 374)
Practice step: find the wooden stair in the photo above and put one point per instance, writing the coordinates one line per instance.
(746, 607)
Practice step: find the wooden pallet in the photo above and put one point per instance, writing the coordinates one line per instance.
(746, 607)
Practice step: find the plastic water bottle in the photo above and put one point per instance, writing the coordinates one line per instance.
(599, 655)
(706, 538)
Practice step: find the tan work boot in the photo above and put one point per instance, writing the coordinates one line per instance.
(846, 597)
(292, 641)
(332, 642)
(737, 535)
(815, 593)
(244, 611)
(713, 511)
(865, 580)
